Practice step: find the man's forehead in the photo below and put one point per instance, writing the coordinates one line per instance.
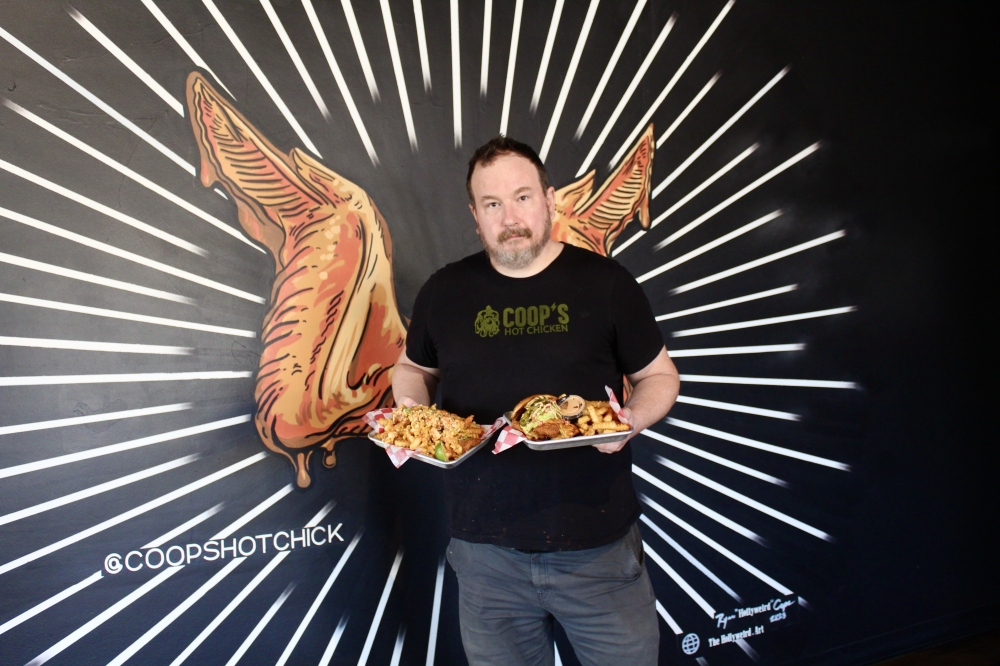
(507, 172)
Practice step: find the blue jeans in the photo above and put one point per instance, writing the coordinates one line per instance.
(602, 597)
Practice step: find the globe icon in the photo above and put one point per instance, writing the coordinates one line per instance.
(690, 643)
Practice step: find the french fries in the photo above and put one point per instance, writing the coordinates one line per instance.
(430, 431)
(598, 419)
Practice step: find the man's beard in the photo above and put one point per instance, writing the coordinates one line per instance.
(517, 259)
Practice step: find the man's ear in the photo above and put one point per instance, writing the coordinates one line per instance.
(472, 209)
(550, 200)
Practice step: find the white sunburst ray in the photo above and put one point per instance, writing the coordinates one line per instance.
(397, 69)
(125, 60)
(259, 74)
(695, 562)
(456, 74)
(99, 103)
(719, 460)
(296, 59)
(128, 173)
(119, 378)
(543, 66)
(183, 43)
(380, 609)
(177, 611)
(109, 249)
(484, 61)
(94, 346)
(679, 580)
(241, 596)
(425, 64)
(511, 64)
(359, 48)
(627, 95)
(66, 422)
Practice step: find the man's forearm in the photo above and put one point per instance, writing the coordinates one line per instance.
(652, 398)
(413, 383)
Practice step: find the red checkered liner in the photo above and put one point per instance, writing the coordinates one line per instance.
(510, 437)
(399, 455)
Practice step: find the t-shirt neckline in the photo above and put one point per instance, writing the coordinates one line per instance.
(509, 279)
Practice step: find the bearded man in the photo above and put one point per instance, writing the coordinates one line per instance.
(539, 536)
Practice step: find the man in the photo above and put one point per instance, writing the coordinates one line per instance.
(537, 535)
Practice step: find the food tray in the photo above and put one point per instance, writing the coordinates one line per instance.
(431, 460)
(572, 442)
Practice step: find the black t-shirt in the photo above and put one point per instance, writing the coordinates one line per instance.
(575, 328)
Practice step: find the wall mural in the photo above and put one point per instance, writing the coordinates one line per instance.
(151, 350)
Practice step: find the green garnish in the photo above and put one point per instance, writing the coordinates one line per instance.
(440, 453)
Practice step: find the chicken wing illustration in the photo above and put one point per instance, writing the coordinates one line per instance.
(594, 220)
(332, 332)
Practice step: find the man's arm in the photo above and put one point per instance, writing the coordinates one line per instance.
(654, 391)
(413, 384)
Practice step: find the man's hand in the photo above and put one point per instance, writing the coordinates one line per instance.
(413, 384)
(406, 401)
(654, 391)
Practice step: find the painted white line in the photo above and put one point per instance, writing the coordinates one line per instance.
(728, 302)
(557, 659)
(337, 633)
(50, 602)
(96, 490)
(574, 62)
(176, 35)
(383, 600)
(698, 190)
(627, 95)
(259, 628)
(749, 471)
(359, 47)
(743, 499)
(321, 514)
(95, 418)
(794, 159)
(543, 67)
(744, 409)
(757, 262)
(668, 619)
(711, 245)
(726, 351)
(763, 322)
(754, 444)
(259, 74)
(612, 62)
(641, 125)
(683, 584)
(59, 74)
(131, 513)
(296, 59)
(253, 513)
(435, 614)
(456, 75)
(397, 650)
(690, 558)
(101, 208)
(345, 92)
(719, 132)
(92, 279)
(181, 608)
(743, 564)
(124, 59)
(117, 314)
(49, 380)
(687, 110)
(769, 381)
(750, 652)
(690, 195)
(301, 629)
(484, 69)
(104, 616)
(425, 63)
(128, 256)
(511, 62)
(397, 69)
(15, 470)
(230, 607)
(86, 345)
(185, 526)
(698, 506)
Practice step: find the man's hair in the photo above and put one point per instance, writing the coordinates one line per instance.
(502, 145)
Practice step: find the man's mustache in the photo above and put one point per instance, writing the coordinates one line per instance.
(507, 234)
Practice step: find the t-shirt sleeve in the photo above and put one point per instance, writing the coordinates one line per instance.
(637, 335)
(420, 346)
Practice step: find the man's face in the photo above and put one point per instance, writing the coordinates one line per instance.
(513, 214)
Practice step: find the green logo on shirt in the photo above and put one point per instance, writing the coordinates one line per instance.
(487, 322)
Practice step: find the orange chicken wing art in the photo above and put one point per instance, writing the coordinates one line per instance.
(333, 332)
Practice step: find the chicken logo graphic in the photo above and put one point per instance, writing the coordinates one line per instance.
(333, 332)
(488, 322)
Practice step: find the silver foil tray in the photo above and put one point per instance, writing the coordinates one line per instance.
(431, 460)
(572, 442)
